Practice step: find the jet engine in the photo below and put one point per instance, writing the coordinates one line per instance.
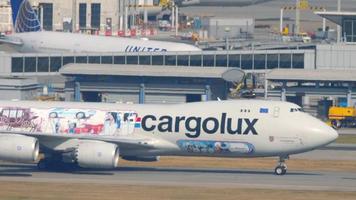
(18, 148)
(97, 154)
(141, 158)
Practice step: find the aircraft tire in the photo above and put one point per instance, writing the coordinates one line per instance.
(55, 165)
(280, 170)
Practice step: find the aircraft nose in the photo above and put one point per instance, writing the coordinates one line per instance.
(323, 134)
(330, 134)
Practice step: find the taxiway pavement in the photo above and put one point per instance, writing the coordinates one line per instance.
(220, 178)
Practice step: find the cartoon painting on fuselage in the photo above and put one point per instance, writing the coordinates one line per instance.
(68, 121)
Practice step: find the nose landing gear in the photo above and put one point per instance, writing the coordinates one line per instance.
(281, 168)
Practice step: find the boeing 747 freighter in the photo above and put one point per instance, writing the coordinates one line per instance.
(95, 135)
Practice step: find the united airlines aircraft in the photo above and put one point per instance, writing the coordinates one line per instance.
(96, 135)
(29, 37)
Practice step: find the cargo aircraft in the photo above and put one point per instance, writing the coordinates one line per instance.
(29, 37)
(96, 135)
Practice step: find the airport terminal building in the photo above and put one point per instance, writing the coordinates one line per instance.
(190, 76)
(183, 76)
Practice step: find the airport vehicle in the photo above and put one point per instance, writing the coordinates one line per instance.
(342, 117)
(29, 37)
(236, 128)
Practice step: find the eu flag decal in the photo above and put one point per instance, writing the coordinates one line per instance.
(263, 110)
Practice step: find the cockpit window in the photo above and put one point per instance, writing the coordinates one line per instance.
(296, 110)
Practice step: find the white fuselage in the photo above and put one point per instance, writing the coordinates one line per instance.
(242, 128)
(70, 42)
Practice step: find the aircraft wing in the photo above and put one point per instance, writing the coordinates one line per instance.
(122, 141)
(6, 40)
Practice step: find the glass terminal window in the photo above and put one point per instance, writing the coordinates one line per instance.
(208, 60)
(195, 60)
(47, 10)
(246, 61)
(95, 15)
(82, 15)
(119, 60)
(132, 60)
(68, 59)
(285, 61)
(94, 59)
(30, 64)
(43, 64)
(171, 60)
(272, 61)
(183, 60)
(157, 60)
(145, 60)
(221, 60)
(260, 61)
(17, 64)
(234, 60)
(298, 61)
(81, 59)
(55, 64)
(106, 59)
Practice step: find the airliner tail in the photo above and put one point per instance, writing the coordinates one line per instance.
(24, 18)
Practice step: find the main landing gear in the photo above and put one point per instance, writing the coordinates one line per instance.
(55, 162)
(281, 168)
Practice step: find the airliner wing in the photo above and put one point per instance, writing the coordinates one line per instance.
(122, 141)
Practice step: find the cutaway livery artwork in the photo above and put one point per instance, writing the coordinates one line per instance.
(215, 147)
(68, 121)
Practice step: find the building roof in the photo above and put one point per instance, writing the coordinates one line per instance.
(336, 16)
(12, 81)
(228, 74)
(312, 75)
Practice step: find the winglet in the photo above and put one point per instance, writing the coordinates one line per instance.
(24, 17)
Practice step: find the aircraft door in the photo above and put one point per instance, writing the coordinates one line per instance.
(276, 112)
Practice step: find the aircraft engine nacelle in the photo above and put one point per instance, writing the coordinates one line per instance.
(97, 154)
(18, 148)
(141, 158)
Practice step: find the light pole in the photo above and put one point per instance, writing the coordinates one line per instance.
(338, 26)
(227, 31)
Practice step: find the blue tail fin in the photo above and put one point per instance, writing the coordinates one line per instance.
(24, 17)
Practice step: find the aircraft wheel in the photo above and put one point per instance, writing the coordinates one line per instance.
(280, 170)
(55, 165)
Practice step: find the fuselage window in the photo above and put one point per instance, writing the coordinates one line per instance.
(296, 110)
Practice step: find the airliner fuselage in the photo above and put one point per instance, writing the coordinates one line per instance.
(45, 41)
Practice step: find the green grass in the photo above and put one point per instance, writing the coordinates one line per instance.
(346, 139)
